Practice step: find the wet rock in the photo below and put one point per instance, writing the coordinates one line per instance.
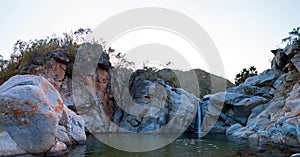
(233, 128)
(58, 147)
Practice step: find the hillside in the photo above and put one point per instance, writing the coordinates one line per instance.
(208, 83)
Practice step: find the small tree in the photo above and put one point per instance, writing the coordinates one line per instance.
(244, 74)
(294, 37)
(3, 63)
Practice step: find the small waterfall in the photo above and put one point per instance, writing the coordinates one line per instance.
(199, 118)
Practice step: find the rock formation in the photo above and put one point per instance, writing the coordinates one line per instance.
(264, 107)
(114, 105)
(34, 118)
(36, 115)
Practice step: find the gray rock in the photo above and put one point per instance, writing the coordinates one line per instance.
(292, 76)
(243, 133)
(148, 125)
(8, 146)
(295, 155)
(161, 105)
(244, 107)
(219, 127)
(290, 50)
(63, 136)
(33, 112)
(75, 127)
(59, 56)
(26, 102)
(296, 61)
(263, 133)
(278, 81)
(104, 62)
(266, 92)
(280, 60)
(290, 135)
(58, 147)
(253, 137)
(233, 128)
(266, 78)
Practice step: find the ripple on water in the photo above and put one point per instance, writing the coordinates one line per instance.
(186, 145)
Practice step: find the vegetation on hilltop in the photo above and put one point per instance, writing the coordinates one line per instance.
(294, 37)
(244, 74)
(36, 52)
(205, 82)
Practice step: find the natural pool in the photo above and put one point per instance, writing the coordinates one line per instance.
(187, 145)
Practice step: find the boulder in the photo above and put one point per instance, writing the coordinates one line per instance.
(280, 60)
(266, 78)
(59, 56)
(245, 89)
(233, 128)
(8, 147)
(296, 61)
(33, 112)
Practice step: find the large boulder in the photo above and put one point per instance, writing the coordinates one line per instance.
(159, 104)
(231, 108)
(8, 146)
(33, 112)
(266, 78)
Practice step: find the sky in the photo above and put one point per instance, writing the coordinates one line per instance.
(243, 31)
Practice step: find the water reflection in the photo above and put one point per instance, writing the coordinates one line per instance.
(188, 145)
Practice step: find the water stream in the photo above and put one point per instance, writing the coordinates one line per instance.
(199, 118)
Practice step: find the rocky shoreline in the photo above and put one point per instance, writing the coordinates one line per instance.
(264, 108)
(39, 115)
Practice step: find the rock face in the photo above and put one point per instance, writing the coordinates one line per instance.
(35, 117)
(143, 106)
(108, 103)
(169, 110)
(263, 108)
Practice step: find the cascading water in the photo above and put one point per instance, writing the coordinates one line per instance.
(199, 118)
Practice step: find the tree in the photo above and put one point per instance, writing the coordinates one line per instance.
(294, 37)
(19, 48)
(81, 35)
(244, 74)
(2, 63)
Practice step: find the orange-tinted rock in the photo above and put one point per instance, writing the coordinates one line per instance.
(32, 112)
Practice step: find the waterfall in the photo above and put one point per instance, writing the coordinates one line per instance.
(199, 118)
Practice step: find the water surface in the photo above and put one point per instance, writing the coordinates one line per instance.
(187, 145)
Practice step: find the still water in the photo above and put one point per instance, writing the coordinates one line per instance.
(187, 145)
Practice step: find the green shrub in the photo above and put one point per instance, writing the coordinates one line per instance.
(244, 74)
(24, 53)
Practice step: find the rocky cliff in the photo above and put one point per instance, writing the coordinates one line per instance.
(44, 106)
(263, 108)
(113, 99)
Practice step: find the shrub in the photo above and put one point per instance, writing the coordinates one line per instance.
(244, 74)
(294, 37)
(36, 51)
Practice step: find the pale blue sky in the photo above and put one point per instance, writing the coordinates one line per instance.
(243, 31)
